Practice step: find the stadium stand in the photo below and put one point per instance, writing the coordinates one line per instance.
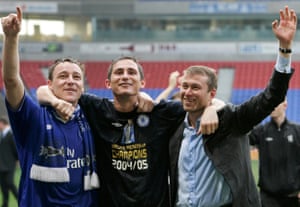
(31, 72)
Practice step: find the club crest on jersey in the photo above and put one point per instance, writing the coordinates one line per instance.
(143, 120)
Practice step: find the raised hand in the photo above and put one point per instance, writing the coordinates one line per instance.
(285, 28)
(11, 24)
(173, 79)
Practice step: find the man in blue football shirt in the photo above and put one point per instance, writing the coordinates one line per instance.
(57, 157)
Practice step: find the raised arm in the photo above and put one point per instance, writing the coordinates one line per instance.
(11, 26)
(258, 107)
(172, 85)
(285, 30)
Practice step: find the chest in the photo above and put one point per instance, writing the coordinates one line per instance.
(64, 140)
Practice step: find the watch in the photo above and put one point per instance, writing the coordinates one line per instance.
(285, 50)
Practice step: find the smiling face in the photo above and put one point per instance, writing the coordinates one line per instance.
(67, 81)
(198, 88)
(125, 78)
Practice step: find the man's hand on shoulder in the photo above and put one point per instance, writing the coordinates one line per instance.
(145, 102)
(64, 109)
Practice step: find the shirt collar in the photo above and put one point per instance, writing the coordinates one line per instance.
(187, 123)
(74, 115)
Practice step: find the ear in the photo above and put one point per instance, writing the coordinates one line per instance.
(213, 93)
(143, 83)
(49, 82)
(107, 83)
(284, 105)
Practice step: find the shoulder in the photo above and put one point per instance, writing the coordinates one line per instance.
(88, 99)
(293, 124)
(169, 108)
(27, 108)
(168, 105)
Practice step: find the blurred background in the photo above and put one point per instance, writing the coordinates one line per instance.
(233, 36)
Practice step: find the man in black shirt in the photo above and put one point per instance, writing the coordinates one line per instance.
(278, 143)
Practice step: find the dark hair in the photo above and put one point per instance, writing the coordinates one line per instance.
(211, 73)
(62, 60)
(110, 68)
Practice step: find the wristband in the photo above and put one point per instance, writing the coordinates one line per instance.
(285, 50)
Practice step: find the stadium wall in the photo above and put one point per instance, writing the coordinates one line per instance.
(174, 51)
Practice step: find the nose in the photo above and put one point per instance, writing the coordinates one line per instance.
(70, 79)
(125, 75)
(188, 91)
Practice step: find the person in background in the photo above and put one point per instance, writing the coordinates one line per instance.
(278, 143)
(173, 84)
(57, 156)
(175, 96)
(215, 170)
(8, 161)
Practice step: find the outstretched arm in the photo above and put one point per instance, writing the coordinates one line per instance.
(11, 26)
(66, 109)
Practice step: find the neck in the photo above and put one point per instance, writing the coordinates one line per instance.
(193, 117)
(125, 103)
(279, 120)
